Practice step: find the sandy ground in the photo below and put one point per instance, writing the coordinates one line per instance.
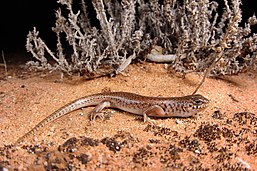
(222, 137)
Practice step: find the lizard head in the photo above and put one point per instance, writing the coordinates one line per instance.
(193, 104)
(198, 101)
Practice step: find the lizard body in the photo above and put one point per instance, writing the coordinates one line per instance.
(184, 106)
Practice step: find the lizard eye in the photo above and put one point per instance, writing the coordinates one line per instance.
(198, 101)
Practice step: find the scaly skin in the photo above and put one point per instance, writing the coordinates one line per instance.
(141, 105)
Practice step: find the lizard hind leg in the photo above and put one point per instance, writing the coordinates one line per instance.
(96, 112)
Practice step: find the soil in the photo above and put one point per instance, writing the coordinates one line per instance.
(222, 137)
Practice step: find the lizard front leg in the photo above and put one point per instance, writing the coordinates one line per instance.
(96, 112)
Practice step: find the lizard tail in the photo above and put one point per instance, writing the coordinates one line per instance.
(76, 104)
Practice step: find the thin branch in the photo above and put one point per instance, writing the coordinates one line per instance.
(207, 71)
(5, 65)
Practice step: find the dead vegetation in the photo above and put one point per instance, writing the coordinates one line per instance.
(194, 31)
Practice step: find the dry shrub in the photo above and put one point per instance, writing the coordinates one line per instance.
(192, 29)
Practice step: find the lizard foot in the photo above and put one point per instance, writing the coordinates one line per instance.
(148, 120)
(102, 115)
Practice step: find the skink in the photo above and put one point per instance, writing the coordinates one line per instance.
(184, 106)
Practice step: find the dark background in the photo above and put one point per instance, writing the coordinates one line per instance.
(20, 16)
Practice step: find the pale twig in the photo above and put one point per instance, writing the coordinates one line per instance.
(161, 58)
(207, 71)
(125, 64)
(4, 64)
